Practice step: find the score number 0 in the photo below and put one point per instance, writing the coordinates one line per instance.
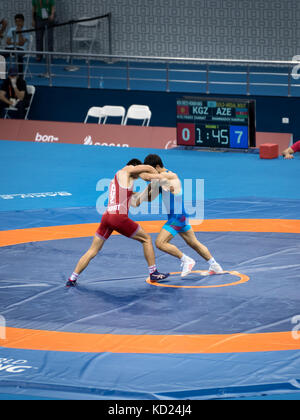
(186, 134)
(220, 135)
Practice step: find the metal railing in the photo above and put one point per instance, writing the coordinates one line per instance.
(71, 23)
(203, 75)
(52, 25)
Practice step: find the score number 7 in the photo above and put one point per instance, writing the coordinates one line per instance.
(240, 135)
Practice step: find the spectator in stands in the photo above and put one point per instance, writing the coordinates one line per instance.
(43, 15)
(289, 152)
(14, 93)
(15, 41)
(3, 24)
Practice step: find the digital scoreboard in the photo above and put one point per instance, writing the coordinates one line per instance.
(215, 123)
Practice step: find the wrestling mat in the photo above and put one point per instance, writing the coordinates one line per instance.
(116, 336)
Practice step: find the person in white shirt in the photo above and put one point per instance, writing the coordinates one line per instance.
(15, 41)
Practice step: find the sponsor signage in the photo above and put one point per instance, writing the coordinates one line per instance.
(35, 195)
(13, 366)
(88, 134)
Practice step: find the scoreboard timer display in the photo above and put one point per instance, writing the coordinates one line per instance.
(215, 123)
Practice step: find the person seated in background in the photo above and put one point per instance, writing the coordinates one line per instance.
(13, 93)
(15, 41)
(289, 152)
(3, 24)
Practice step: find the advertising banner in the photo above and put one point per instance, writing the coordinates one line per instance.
(88, 134)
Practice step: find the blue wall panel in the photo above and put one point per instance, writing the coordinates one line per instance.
(71, 105)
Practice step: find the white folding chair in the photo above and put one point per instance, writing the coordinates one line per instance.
(139, 112)
(113, 111)
(2, 67)
(95, 112)
(31, 92)
(86, 33)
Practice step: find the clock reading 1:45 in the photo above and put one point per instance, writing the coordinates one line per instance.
(208, 136)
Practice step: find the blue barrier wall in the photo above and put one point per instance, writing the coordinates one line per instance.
(71, 105)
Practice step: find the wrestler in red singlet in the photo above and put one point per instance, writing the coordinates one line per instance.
(296, 146)
(116, 218)
(116, 215)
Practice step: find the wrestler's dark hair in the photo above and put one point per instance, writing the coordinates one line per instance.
(153, 160)
(134, 162)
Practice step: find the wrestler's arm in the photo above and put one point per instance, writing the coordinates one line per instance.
(151, 192)
(288, 153)
(156, 181)
(148, 194)
(164, 175)
(139, 169)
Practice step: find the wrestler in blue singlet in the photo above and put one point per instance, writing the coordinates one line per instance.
(177, 217)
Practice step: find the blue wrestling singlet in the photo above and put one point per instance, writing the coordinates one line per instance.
(177, 217)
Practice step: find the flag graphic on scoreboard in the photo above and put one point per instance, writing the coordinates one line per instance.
(241, 113)
(183, 110)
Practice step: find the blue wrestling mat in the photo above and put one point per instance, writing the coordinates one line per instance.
(117, 337)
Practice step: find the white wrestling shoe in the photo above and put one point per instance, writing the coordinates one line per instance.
(214, 268)
(187, 266)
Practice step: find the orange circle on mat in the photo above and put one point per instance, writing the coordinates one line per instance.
(19, 338)
(242, 279)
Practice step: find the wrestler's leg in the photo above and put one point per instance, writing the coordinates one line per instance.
(190, 238)
(163, 243)
(84, 261)
(145, 239)
(91, 253)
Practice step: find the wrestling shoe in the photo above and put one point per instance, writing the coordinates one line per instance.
(71, 283)
(214, 268)
(187, 266)
(158, 276)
